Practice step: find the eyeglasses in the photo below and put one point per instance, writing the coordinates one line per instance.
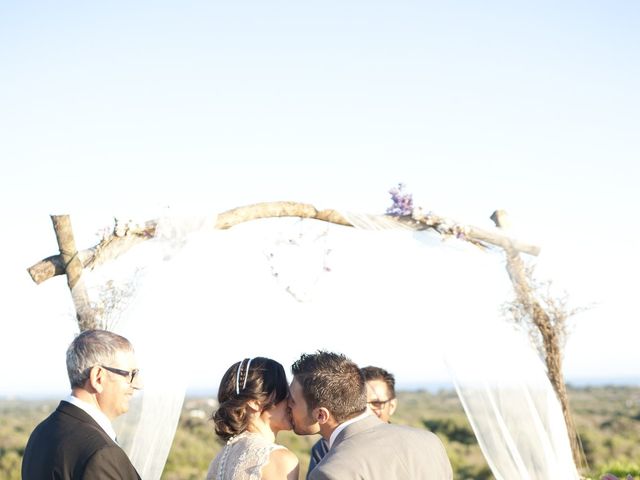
(129, 375)
(379, 404)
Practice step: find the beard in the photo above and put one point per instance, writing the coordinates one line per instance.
(306, 426)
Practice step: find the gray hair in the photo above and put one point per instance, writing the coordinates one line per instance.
(91, 348)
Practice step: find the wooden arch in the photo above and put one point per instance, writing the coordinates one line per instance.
(71, 262)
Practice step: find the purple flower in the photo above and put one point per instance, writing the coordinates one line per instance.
(402, 202)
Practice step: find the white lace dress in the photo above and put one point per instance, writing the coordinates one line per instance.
(242, 458)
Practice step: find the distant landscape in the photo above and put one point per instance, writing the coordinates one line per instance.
(607, 418)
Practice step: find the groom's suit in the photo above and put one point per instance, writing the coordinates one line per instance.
(69, 444)
(370, 449)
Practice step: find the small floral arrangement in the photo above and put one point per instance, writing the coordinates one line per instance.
(402, 202)
(414, 216)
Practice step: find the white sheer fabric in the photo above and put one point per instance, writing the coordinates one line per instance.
(511, 406)
(502, 385)
(204, 298)
(242, 458)
(143, 294)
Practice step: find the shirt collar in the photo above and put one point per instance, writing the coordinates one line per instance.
(95, 413)
(345, 424)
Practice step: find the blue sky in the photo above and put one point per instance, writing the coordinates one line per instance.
(119, 108)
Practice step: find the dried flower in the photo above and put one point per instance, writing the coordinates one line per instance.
(402, 202)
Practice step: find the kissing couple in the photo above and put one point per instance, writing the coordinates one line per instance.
(327, 396)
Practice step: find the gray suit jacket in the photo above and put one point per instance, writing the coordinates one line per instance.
(370, 449)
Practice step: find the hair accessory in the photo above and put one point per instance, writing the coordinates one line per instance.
(246, 374)
(238, 377)
(244, 384)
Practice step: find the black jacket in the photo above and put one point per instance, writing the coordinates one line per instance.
(69, 444)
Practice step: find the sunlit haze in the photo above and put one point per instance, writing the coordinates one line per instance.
(130, 109)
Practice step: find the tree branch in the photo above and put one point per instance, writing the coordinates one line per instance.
(117, 243)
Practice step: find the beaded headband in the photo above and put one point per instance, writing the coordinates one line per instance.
(246, 375)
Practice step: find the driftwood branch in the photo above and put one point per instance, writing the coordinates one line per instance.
(73, 267)
(277, 209)
(118, 242)
(110, 247)
(447, 226)
(551, 333)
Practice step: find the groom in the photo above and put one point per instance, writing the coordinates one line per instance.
(328, 396)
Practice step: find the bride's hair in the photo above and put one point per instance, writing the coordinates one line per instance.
(260, 379)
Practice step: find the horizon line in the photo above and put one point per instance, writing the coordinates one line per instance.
(432, 387)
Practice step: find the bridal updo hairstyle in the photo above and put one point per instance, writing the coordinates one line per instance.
(260, 379)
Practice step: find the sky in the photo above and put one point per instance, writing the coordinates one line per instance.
(121, 109)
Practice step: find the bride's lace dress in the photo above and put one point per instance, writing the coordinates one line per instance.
(242, 458)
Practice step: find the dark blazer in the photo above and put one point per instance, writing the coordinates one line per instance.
(370, 449)
(69, 444)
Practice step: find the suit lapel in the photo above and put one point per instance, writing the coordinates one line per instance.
(77, 413)
(67, 408)
(70, 410)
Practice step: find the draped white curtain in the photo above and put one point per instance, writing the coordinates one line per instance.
(512, 407)
(405, 300)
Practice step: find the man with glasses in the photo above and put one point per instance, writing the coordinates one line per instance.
(77, 440)
(381, 392)
(381, 400)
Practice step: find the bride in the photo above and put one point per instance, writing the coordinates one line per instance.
(252, 410)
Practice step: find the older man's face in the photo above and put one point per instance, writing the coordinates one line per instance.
(117, 389)
(303, 421)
